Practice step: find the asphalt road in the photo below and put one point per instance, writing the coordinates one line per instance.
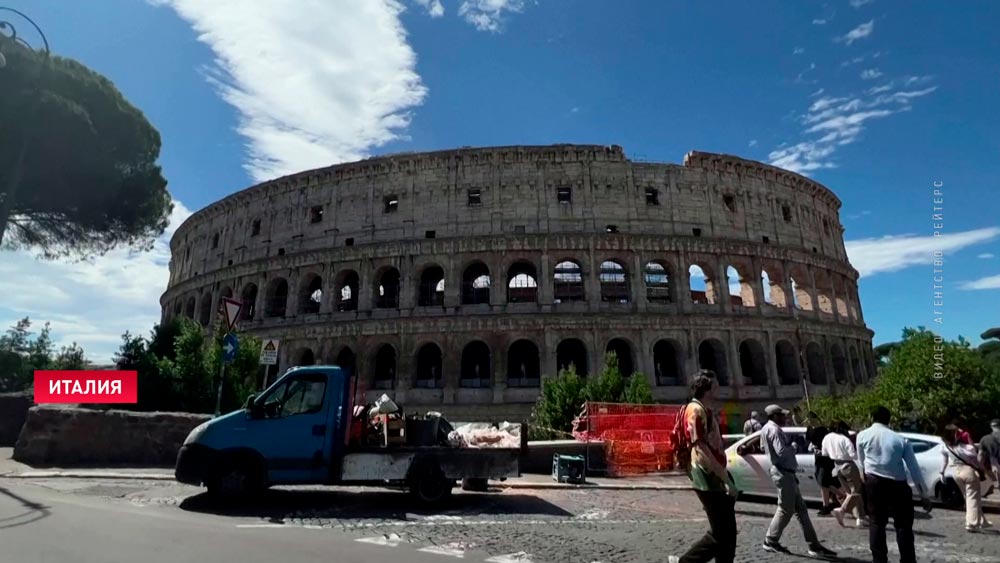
(64, 520)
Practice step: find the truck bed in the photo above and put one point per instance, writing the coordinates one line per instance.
(392, 464)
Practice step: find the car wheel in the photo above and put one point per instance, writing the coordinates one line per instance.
(235, 479)
(430, 486)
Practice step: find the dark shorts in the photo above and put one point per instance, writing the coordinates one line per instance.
(824, 472)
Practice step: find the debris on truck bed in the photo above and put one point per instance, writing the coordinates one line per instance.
(486, 435)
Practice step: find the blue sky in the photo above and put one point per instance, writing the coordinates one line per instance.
(875, 99)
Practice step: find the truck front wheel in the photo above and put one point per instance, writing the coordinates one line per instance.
(235, 479)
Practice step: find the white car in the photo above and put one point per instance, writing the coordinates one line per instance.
(751, 473)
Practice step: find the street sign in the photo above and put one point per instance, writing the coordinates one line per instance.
(231, 311)
(230, 345)
(269, 351)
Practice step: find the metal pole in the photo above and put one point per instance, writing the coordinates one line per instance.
(803, 368)
(218, 397)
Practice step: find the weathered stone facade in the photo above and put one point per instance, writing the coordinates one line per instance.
(461, 277)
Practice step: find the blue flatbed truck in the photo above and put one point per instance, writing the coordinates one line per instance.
(297, 432)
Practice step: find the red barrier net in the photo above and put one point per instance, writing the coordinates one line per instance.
(636, 437)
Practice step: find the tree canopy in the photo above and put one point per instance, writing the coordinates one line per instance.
(22, 352)
(78, 172)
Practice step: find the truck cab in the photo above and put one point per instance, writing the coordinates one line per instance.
(297, 432)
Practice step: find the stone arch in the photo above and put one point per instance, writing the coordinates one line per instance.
(870, 362)
(801, 288)
(384, 367)
(712, 356)
(477, 362)
(522, 283)
(276, 298)
(657, 278)
(668, 362)
(787, 363)
(567, 281)
(310, 294)
(701, 284)
(205, 308)
(430, 291)
(189, 307)
(816, 362)
(772, 280)
(839, 364)
(572, 351)
(523, 364)
(304, 357)
(840, 292)
(740, 286)
(824, 291)
(614, 282)
(476, 283)
(346, 360)
(856, 374)
(345, 291)
(753, 362)
(177, 308)
(622, 349)
(249, 297)
(387, 288)
(429, 364)
(226, 293)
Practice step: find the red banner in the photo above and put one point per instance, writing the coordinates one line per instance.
(72, 386)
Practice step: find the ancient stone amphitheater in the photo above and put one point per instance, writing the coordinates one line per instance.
(459, 279)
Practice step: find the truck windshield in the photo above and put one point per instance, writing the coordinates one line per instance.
(298, 395)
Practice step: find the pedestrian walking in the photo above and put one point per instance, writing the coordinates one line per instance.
(884, 457)
(837, 446)
(989, 450)
(823, 466)
(969, 474)
(752, 424)
(781, 453)
(709, 478)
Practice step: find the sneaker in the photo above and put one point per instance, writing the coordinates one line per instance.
(860, 523)
(774, 547)
(673, 559)
(839, 515)
(821, 552)
(972, 529)
(825, 511)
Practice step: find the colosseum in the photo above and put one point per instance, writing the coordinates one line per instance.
(457, 280)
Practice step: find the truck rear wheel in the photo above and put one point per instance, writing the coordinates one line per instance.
(431, 487)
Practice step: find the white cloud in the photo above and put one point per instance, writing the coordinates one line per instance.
(990, 282)
(853, 61)
(870, 74)
(91, 302)
(488, 15)
(315, 82)
(433, 7)
(752, 143)
(798, 51)
(574, 109)
(882, 88)
(858, 3)
(862, 31)
(893, 253)
(819, 21)
(986, 256)
(817, 93)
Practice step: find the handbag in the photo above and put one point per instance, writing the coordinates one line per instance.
(979, 472)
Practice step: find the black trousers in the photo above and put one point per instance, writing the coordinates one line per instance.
(720, 542)
(888, 498)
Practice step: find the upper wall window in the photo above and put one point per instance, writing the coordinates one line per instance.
(826, 226)
(786, 213)
(255, 228)
(730, 201)
(475, 197)
(652, 196)
(215, 241)
(564, 195)
(316, 214)
(390, 204)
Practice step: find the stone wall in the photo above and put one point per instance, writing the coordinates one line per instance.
(13, 410)
(63, 437)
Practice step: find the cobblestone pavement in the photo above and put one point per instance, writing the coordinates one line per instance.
(537, 526)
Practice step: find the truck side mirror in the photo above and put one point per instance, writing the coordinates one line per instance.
(272, 409)
(248, 404)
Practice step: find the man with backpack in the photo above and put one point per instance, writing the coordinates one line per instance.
(699, 450)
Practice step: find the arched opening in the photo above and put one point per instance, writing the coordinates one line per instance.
(668, 363)
(177, 309)
(801, 290)
(476, 285)
(824, 291)
(840, 290)
(522, 284)
(614, 282)
(431, 290)
(623, 353)
(310, 294)
(568, 282)
(476, 362)
(657, 280)
(384, 376)
(305, 357)
(346, 291)
(839, 364)
(226, 293)
(346, 360)
(205, 310)
(712, 356)
(387, 289)
(249, 297)
(753, 362)
(740, 288)
(429, 367)
(788, 363)
(701, 284)
(870, 362)
(523, 365)
(816, 364)
(572, 352)
(277, 298)
(856, 366)
(189, 308)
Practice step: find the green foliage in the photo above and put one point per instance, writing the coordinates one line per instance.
(70, 357)
(638, 391)
(608, 387)
(77, 161)
(926, 383)
(21, 354)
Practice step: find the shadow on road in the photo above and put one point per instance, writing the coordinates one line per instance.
(34, 513)
(276, 504)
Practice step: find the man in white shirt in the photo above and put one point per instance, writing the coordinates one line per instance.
(837, 446)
